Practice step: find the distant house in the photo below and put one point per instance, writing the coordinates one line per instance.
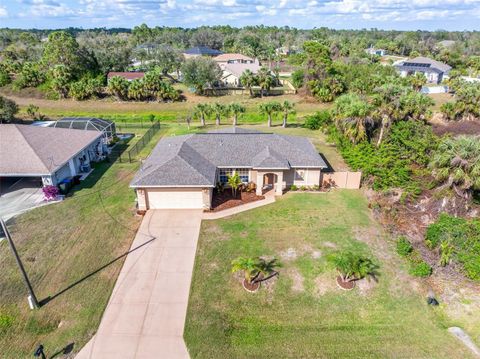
(287, 50)
(233, 71)
(377, 52)
(225, 59)
(130, 76)
(201, 51)
(445, 44)
(433, 70)
(49, 154)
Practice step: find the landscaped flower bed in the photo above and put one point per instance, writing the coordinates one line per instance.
(225, 199)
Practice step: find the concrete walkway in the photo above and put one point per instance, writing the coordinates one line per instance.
(146, 313)
(269, 198)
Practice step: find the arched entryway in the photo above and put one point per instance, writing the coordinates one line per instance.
(269, 181)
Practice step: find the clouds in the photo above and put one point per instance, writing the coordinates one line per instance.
(411, 14)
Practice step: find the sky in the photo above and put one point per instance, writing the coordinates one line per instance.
(305, 14)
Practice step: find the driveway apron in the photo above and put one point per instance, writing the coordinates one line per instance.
(146, 313)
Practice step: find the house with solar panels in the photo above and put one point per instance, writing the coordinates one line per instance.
(106, 127)
(434, 71)
(201, 51)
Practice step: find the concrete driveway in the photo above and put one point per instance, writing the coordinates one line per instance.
(18, 195)
(146, 313)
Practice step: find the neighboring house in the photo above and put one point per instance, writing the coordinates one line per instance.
(106, 127)
(201, 51)
(434, 71)
(286, 50)
(225, 59)
(182, 171)
(445, 44)
(52, 154)
(130, 76)
(378, 52)
(233, 71)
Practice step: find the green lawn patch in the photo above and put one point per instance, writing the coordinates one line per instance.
(302, 313)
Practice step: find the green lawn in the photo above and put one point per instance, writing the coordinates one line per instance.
(61, 244)
(302, 314)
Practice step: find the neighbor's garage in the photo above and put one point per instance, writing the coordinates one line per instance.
(162, 198)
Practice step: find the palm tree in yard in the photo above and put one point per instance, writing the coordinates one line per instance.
(201, 111)
(269, 109)
(354, 117)
(352, 267)
(218, 110)
(265, 80)
(236, 109)
(249, 266)
(456, 163)
(248, 80)
(388, 111)
(234, 181)
(417, 81)
(287, 108)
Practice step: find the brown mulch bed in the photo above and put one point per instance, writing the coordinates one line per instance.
(224, 200)
(345, 285)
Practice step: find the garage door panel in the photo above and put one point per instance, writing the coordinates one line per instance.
(161, 199)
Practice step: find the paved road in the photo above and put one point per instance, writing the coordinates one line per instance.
(146, 313)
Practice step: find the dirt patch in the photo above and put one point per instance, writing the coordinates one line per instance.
(457, 128)
(329, 245)
(215, 232)
(324, 283)
(365, 286)
(225, 199)
(316, 254)
(297, 280)
(289, 254)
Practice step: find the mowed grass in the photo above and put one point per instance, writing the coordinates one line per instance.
(72, 252)
(175, 111)
(302, 313)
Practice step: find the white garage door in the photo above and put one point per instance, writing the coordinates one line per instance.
(174, 198)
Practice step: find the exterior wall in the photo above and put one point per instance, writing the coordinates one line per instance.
(141, 199)
(61, 174)
(207, 194)
(350, 180)
(311, 177)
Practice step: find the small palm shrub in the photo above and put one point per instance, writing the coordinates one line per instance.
(293, 188)
(353, 266)
(420, 269)
(404, 248)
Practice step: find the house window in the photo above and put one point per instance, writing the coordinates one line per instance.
(299, 175)
(224, 173)
(243, 173)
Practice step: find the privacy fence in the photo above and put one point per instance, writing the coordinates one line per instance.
(130, 155)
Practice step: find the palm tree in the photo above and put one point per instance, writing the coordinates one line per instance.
(236, 109)
(234, 182)
(136, 90)
(249, 266)
(248, 80)
(267, 268)
(265, 80)
(352, 266)
(118, 86)
(218, 110)
(417, 81)
(287, 108)
(354, 117)
(201, 111)
(269, 109)
(457, 164)
(387, 102)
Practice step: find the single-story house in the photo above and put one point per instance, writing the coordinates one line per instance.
(182, 171)
(225, 59)
(201, 51)
(377, 52)
(129, 76)
(433, 70)
(233, 71)
(106, 127)
(52, 154)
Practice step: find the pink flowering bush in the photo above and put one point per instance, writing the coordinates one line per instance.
(50, 192)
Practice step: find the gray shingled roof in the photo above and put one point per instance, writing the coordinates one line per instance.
(35, 151)
(192, 160)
